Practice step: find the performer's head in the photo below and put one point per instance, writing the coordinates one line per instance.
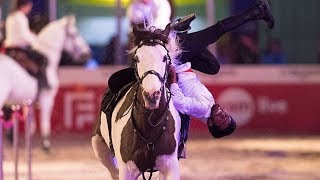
(23, 5)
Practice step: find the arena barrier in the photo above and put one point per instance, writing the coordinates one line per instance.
(262, 98)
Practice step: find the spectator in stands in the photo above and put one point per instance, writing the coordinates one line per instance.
(246, 50)
(274, 53)
(109, 56)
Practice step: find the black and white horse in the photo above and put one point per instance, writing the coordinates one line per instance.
(145, 124)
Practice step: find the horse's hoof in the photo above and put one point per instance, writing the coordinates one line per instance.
(46, 145)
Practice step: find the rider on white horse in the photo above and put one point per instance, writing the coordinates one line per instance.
(19, 39)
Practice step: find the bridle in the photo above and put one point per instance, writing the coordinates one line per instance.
(167, 59)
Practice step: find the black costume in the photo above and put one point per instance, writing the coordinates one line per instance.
(195, 44)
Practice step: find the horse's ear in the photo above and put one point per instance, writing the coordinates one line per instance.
(167, 30)
(135, 29)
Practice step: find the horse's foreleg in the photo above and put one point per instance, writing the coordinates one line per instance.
(46, 102)
(168, 167)
(104, 155)
(128, 171)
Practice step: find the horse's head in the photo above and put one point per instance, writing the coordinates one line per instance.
(152, 60)
(74, 44)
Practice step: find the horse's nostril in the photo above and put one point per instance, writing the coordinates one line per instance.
(146, 94)
(157, 93)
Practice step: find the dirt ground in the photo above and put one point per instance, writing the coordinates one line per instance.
(232, 158)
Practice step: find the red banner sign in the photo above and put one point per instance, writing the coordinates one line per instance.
(282, 106)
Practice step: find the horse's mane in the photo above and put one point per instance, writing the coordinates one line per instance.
(150, 32)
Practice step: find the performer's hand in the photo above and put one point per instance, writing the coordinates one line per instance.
(172, 78)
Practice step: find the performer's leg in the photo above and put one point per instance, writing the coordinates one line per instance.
(205, 62)
(196, 42)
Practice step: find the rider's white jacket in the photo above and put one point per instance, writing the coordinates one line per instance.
(189, 95)
(18, 33)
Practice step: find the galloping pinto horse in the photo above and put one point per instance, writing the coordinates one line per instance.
(145, 124)
(18, 86)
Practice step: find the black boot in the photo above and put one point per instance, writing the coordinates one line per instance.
(265, 13)
(182, 25)
(260, 11)
(196, 42)
(42, 62)
(42, 79)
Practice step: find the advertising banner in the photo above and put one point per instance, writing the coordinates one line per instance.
(261, 99)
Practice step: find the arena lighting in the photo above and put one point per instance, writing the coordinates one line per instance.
(125, 3)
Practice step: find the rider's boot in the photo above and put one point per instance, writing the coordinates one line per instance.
(182, 25)
(43, 80)
(220, 123)
(261, 11)
(42, 62)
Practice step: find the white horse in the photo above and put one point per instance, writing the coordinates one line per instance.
(145, 124)
(17, 85)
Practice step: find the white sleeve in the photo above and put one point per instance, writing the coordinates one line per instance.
(163, 14)
(18, 32)
(196, 107)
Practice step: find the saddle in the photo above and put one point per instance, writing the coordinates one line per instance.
(108, 104)
(32, 61)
